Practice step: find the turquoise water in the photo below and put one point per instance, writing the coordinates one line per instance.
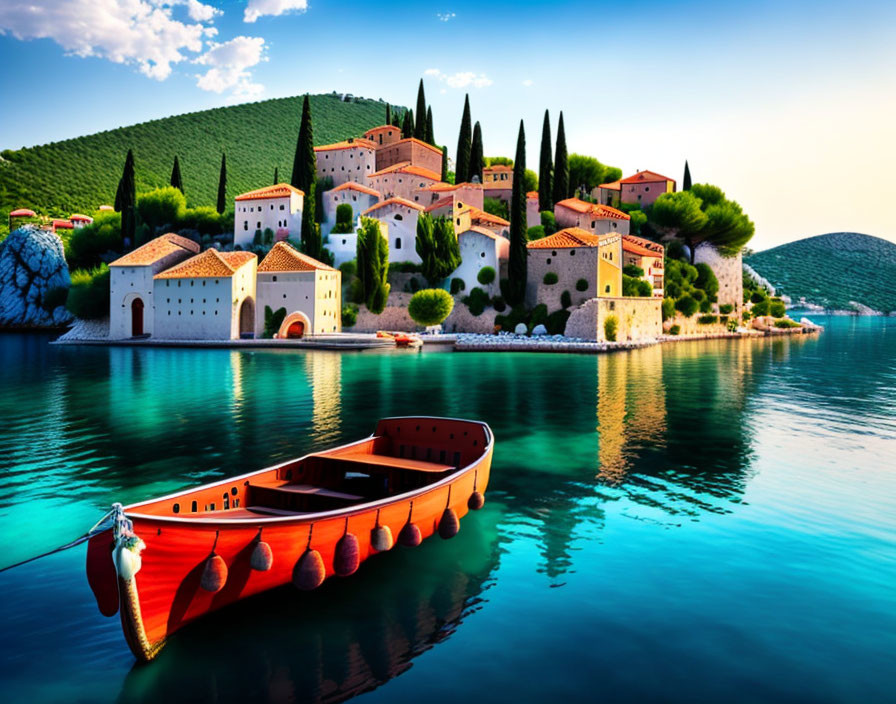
(700, 522)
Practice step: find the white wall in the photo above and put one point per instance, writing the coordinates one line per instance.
(293, 290)
(478, 251)
(262, 213)
(126, 284)
(333, 199)
(401, 233)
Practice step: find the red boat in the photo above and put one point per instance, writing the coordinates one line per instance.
(171, 560)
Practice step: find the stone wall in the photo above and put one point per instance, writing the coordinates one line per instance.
(638, 319)
(395, 317)
(729, 272)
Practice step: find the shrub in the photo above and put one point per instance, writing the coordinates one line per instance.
(496, 207)
(776, 309)
(205, 220)
(348, 269)
(707, 319)
(272, 321)
(476, 301)
(705, 305)
(268, 236)
(565, 299)
(707, 280)
(760, 308)
(686, 305)
(675, 330)
(548, 222)
(356, 291)
(732, 326)
(163, 206)
(499, 304)
(414, 284)
(405, 268)
(698, 294)
(726, 308)
(54, 298)
(550, 278)
(758, 296)
(746, 315)
(611, 324)
(87, 245)
(556, 322)
(645, 290)
(785, 323)
(88, 297)
(508, 322)
(486, 275)
(635, 272)
(344, 215)
(349, 315)
(536, 232)
(668, 308)
(538, 316)
(582, 285)
(457, 285)
(430, 306)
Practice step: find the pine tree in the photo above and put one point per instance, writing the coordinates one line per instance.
(686, 181)
(561, 165)
(477, 160)
(222, 185)
(276, 175)
(464, 146)
(407, 126)
(545, 167)
(176, 180)
(517, 264)
(430, 137)
(126, 200)
(396, 119)
(388, 114)
(420, 125)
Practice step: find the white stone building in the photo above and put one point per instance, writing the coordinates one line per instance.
(131, 309)
(354, 194)
(277, 207)
(479, 248)
(402, 180)
(310, 291)
(593, 218)
(208, 297)
(400, 219)
(351, 160)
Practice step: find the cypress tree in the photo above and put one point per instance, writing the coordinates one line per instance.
(517, 264)
(276, 176)
(686, 181)
(545, 167)
(477, 160)
(420, 125)
(126, 200)
(407, 126)
(388, 114)
(222, 185)
(176, 180)
(430, 137)
(396, 119)
(444, 164)
(561, 165)
(304, 177)
(464, 146)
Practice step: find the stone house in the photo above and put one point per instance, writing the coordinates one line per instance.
(644, 188)
(384, 135)
(351, 160)
(592, 217)
(607, 193)
(498, 174)
(410, 150)
(648, 256)
(310, 291)
(460, 193)
(584, 264)
(533, 214)
(131, 309)
(210, 296)
(400, 219)
(359, 197)
(498, 190)
(277, 207)
(466, 217)
(402, 180)
(479, 248)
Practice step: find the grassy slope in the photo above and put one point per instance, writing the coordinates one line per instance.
(80, 174)
(832, 270)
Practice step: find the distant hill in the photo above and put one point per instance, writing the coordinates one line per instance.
(78, 175)
(833, 270)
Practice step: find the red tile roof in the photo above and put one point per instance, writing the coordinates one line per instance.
(280, 190)
(570, 237)
(441, 203)
(595, 209)
(395, 200)
(210, 264)
(483, 231)
(642, 247)
(347, 144)
(62, 225)
(77, 217)
(352, 186)
(382, 128)
(532, 194)
(477, 215)
(157, 249)
(405, 167)
(498, 168)
(416, 141)
(284, 257)
(646, 177)
(614, 186)
(22, 213)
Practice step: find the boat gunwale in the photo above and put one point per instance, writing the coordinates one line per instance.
(317, 516)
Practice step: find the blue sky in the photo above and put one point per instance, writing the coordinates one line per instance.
(789, 107)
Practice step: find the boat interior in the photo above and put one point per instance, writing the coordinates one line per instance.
(405, 454)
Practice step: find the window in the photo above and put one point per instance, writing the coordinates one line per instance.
(607, 288)
(245, 224)
(398, 243)
(282, 207)
(398, 216)
(273, 278)
(482, 254)
(272, 206)
(548, 260)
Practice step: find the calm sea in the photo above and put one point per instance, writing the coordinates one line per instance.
(701, 522)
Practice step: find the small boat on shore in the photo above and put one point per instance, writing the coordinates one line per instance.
(171, 560)
(401, 339)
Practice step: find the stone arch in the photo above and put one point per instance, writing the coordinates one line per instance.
(294, 325)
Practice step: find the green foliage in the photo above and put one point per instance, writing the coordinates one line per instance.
(373, 265)
(582, 285)
(494, 206)
(517, 264)
(548, 222)
(349, 315)
(675, 330)
(348, 269)
(499, 304)
(635, 287)
(420, 123)
(731, 326)
(476, 301)
(457, 285)
(86, 246)
(776, 309)
(726, 308)
(787, 324)
(833, 270)
(565, 299)
(486, 275)
(668, 308)
(638, 220)
(413, 285)
(706, 280)
(561, 164)
(538, 316)
(272, 321)
(535, 233)
(556, 322)
(760, 309)
(477, 160)
(54, 298)
(611, 325)
(545, 167)
(686, 305)
(268, 238)
(707, 319)
(464, 145)
(430, 306)
(161, 208)
(88, 296)
(746, 315)
(221, 200)
(705, 304)
(498, 161)
(344, 217)
(550, 278)
(405, 268)
(205, 220)
(437, 247)
(126, 200)
(634, 271)
(586, 173)
(686, 181)
(530, 180)
(176, 179)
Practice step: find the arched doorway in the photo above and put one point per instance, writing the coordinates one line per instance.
(294, 326)
(136, 317)
(247, 317)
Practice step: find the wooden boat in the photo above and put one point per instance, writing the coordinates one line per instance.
(171, 560)
(401, 339)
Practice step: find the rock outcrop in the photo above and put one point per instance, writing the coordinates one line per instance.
(34, 279)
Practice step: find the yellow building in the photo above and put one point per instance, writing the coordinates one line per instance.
(647, 256)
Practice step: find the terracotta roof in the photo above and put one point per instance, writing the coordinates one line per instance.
(77, 217)
(532, 194)
(442, 186)
(417, 141)
(382, 128)
(284, 257)
(280, 190)
(498, 167)
(642, 247)
(210, 264)
(483, 231)
(395, 200)
(156, 249)
(106, 207)
(405, 167)
(64, 224)
(347, 144)
(352, 186)
(22, 213)
(614, 186)
(441, 203)
(570, 237)
(601, 211)
(646, 177)
(480, 215)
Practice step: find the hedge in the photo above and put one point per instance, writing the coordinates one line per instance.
(550, 278)
(430, 306)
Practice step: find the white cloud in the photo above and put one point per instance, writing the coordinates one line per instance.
(143, 33)
(200, 12)
(462, 79)
(446, 16)
(528, 82)
(228, 64)
(272, 8)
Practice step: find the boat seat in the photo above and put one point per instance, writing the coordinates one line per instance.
(274, 511)
(318, 491)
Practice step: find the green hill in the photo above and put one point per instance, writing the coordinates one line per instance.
(78, 175)
(833, 270)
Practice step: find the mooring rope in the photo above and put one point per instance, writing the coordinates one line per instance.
(116, 513)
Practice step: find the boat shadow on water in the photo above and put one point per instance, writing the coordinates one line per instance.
(348, 637)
